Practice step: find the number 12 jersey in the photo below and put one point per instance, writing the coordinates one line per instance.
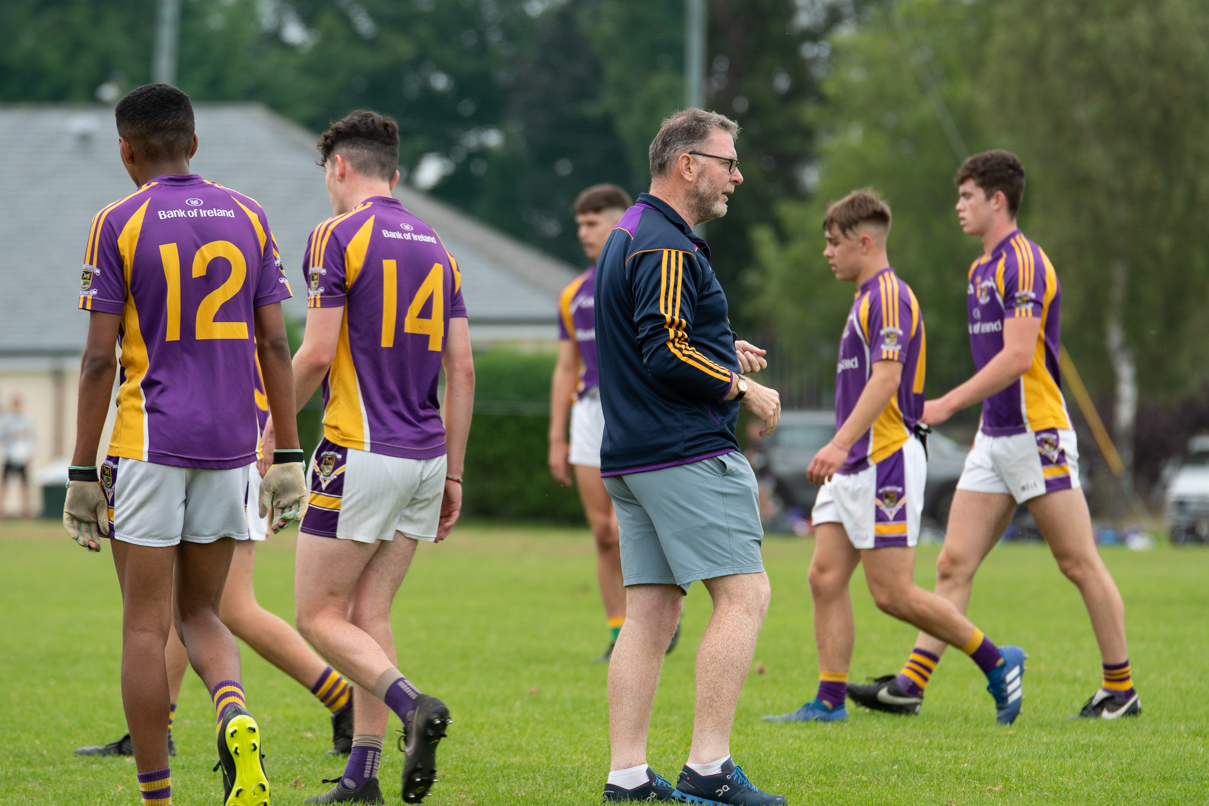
(399, 288)
(184, 263)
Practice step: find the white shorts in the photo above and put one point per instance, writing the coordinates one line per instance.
(162, 505)
(1023, 466)
(258, 527)
(363, 496)
(880, 506)
(587, 429)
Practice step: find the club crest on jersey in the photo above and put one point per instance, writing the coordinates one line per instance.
(890, 500)
(1047, 446)
(86, 278)
(325, 468)
(1024, 298)
(316, 275)
(107, 476)
(984, 292)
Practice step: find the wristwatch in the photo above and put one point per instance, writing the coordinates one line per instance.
(742, 387)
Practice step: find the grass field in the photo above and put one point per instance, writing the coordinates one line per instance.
(501, 622)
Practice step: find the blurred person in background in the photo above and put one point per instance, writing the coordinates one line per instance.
(17, 440)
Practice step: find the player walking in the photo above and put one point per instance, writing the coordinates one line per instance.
(686, 498)
(386, 313)
(1025, 450)
(181, 275)
(872, 473)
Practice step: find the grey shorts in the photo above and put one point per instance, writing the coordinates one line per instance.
(688, 522)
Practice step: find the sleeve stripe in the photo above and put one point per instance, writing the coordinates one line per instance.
(564, 304)
(94, 237)
(677, 341)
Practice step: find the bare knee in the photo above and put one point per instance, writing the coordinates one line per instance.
(952, 567)
(826, 582)
(890, 600)
(604, 531)
(1080, 569)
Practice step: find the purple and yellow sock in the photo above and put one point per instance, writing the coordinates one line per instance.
(983, 652)
(398, 693)
(156, 787)
(917, 671)
(1119, 680)
(615, 626)
(363, 760)
(332, 690)
(227, 693)
(171, 715)
(833, 688)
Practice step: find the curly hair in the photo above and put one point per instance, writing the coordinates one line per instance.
(992, 171)
(368, 140)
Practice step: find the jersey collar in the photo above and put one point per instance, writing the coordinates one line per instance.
(868, 284)
(674, 217)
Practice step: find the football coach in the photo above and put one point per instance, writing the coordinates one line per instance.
(686, 498)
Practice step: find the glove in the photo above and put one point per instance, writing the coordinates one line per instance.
(283, 495)
(85, 513)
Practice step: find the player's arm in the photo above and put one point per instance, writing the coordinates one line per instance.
(562, 389)
(1019, 345)
(458, 363)
(880, 389)
(86, 504)
(283, 493)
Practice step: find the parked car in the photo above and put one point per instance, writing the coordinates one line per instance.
(1186, 499)
(789, 449)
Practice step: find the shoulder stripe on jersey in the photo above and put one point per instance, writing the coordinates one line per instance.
(564, 304)
(453, 264)
(671, 282)
(94, 236)
(324, 231)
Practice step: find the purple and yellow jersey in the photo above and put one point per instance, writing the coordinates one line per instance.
(577, 323)
(399, 288)
(185, 263)
(885, 324)
(1017, 280)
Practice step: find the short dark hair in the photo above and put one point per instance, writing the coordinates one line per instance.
(368, 140)
(687, 129)
(992, 171)
(858, 207)
(157, 121)
(599, 198)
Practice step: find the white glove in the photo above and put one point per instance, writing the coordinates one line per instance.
(85, 513)
(283, 495)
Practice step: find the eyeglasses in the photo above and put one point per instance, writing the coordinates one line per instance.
(732, 164)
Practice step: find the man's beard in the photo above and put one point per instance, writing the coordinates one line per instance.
(707, 201)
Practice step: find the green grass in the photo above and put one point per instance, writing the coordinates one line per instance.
(502, 621)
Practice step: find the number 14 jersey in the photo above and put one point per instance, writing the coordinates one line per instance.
(399, 287)
(184, 263)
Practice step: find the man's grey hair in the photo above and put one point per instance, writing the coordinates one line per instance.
(684, 131)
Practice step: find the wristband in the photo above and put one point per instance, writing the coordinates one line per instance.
(285, 456)
(457, 479)
(82, 473)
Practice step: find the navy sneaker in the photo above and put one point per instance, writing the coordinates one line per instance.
(813, 711)
(657, 788)
(368, 792)
(883, 694)
(1103, 705)
(727, 787)
(1005, 682)
(121, 747)
(243, 777)
(419, 744)
(342, 731)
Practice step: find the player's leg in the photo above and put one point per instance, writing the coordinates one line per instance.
(598, 508)
(27, 509)
(834, 631)
(1064, 521)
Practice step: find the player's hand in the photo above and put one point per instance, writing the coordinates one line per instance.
(751, 358)
(267, 441)
(559, 463)
(936, 411)
(765, 404)
(85, 513)
(830, 458)
(451, 508)
(283, 495)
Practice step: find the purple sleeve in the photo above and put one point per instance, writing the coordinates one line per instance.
(457, 305)
(323, 266)
(1023, 280)
(887, 311)
(273, 285)
(103, 284)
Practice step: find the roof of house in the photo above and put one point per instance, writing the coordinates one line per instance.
(61, 167)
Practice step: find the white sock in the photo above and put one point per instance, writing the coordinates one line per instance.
(632, 778)
(713, 768)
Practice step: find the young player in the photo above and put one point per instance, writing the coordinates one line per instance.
(872, 472)
(266, 633)
(386, 314)
(1025, 450)
(182, 276)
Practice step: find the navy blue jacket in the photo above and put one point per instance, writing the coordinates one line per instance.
(663, 343)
